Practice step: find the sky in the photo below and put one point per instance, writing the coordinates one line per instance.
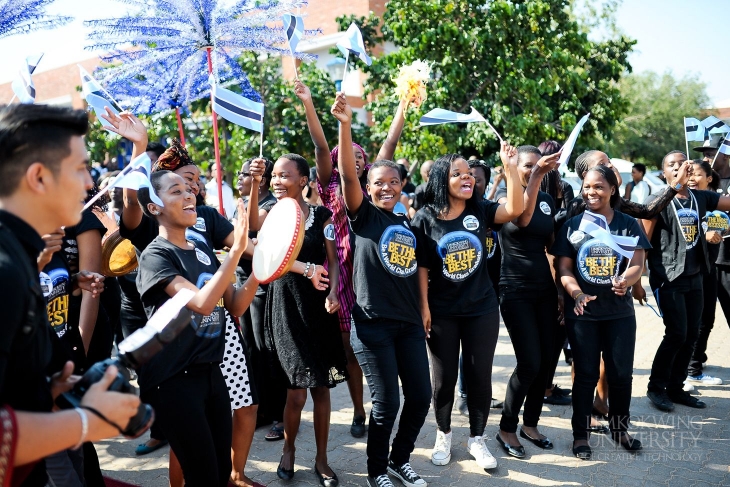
(672, 35)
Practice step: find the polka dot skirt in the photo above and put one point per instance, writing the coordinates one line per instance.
(234, 367)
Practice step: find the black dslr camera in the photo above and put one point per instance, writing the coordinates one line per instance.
(136, 350)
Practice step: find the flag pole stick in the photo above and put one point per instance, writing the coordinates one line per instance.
(712, 166)
(216, 147)
(344, 75)
(261, 142)
(12, 99)
(686, 140)
(180, 126)
(296, 70)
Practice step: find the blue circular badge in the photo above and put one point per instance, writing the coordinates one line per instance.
(597, 262)
(461, 253)
(718, 221)
(397, 251)
(208, 326)
(689, 221)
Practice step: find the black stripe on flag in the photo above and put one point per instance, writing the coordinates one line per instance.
(292, 26)
(692, 128)
(726, 142)
(238, 110)
(716, 125)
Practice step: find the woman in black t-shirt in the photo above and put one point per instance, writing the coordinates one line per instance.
(387, 333)
(676, 266)
(528, 301)
(458, 303)
(188, 386)
(599, 313)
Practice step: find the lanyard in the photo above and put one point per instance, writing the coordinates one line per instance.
(692, 205)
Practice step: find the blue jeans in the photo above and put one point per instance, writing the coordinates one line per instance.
(387, 350)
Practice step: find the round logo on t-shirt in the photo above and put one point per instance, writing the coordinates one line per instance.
(57, 300)
(717, 221)
(689, 221)
(398, 251)
(576, 237)
(208, 326)
(200, 224)
(545, 207)
(597, 262)
(202, 256)
(329, 232)
(471, 222)
(46, 284)
(461, 253)
(191, 234)
(490, 243)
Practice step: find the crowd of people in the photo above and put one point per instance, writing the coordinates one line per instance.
(401, 285)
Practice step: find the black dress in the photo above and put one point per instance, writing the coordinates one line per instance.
(304, 337)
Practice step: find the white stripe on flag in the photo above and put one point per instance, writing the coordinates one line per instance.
(597, 227)
(725, 146)
(438, 116)
(294, 26)
(715, 125)
(238, 109)
(694, 129)
(572, 139)
(137, 176)
(352, 42)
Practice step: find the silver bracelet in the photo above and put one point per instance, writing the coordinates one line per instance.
(84, 427)
(314, 271)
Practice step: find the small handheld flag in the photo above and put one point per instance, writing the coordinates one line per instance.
(572, 139)
(352, 43)
(23, 85)
(97, 97)
(725, 145)
(294, 26)
(597, 227)
(694, 130)
(439, 116)
(715, 126)
(238, 109)
(135, 176)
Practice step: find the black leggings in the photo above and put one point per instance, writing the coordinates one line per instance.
(529, 317)
(196, 418)
(616, 338)
(477, 336)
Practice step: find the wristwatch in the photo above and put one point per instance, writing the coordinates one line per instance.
(678, 186)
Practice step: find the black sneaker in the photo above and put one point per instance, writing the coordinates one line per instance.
(405, 474)
(380, 481)
(682, 397)
(556, 400)
(358, 427)
(661, 401)
(559, 391)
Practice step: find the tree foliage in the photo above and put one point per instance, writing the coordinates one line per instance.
(527, 66)
(285, 125)
(653, 126)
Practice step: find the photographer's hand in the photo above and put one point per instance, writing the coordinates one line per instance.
(117, 407)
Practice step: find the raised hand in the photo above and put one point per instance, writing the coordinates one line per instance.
(546, 164)
(302, 91)
(126, 125)
(508, 156)
(240, 230)
(341, 109)
(53, 244)
(256, 169)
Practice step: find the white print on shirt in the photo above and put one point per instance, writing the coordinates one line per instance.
(202, 256)
(329, 232)
(200, 224)
(545, 207)
(471, 222)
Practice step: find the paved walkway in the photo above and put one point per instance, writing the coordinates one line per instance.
(686, 448)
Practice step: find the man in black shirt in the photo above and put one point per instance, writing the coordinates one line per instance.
(43, 184)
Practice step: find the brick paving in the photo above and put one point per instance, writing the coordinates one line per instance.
(688, 447)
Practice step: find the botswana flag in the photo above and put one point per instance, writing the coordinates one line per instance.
(294, 26)
(23, 85)
(597, 227)
(237, 108)
(438, 116)
(352, 42)
(725, 145)
(715, 126)
(694, 130)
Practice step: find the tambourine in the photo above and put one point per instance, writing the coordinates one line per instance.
(279, 241)
(117, 255)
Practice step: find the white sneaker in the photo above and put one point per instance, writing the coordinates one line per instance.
(705, 379)
(481, 453)
(687, 387)
(441, 454)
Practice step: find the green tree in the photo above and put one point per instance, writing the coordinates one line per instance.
(528, 66)
(653, 126)
(285, 125)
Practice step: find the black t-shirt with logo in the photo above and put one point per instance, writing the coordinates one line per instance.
(456, 251)
(723, 249)
(715, 221)
(524, 262)
(594, 264)
(384, 263)
(680, 253)
(70, 246)
(202, 341)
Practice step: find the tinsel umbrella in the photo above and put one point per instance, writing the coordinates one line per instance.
(184, 37)
(24, 16)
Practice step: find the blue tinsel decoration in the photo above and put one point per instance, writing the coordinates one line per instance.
(166, 65)
(23, 16)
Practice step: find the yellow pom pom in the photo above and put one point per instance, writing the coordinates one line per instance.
(410, 84)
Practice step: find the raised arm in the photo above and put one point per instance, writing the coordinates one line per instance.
(351, 189)
(321, 148)
(663, 198)
(132, 129)
(514, 205)
(543, 166)
(396, 129)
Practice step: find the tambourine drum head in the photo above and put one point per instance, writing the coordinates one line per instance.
(279, 241)
(117, 256)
